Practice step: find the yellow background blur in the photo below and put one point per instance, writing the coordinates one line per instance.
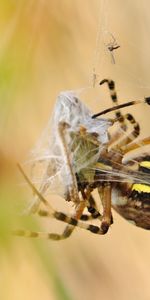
(47, 47)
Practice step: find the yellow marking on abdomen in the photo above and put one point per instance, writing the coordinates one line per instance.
(145, 164)
(141, 188)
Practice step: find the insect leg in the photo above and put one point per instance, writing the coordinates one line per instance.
(73, 190)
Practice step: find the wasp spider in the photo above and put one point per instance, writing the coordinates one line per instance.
(121, 184)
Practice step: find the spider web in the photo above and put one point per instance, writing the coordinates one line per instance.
(125, 25)
(49, 167)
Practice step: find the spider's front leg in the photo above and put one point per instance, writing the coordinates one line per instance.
(123, 119)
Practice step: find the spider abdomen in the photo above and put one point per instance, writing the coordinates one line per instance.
(133, 202)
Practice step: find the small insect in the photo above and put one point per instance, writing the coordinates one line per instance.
(111, 46)
(83, 153)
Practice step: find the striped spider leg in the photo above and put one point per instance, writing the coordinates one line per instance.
(121, 118)
(131, 197)
(72, 221)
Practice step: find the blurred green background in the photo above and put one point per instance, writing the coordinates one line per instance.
(47, 47)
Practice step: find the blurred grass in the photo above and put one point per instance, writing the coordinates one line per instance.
(9, 221)
(61, 290)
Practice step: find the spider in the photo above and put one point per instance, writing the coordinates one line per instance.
(118, 184)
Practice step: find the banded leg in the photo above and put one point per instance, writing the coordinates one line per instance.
(67, 232)
(134, 146)
(127, 146)
(121, 138)
(92, 209)
(114, 98)
(84, 217)
(72, 221)
(91, 206)
(117, 107)
(121, 118)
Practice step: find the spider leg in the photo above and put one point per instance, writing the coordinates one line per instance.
(91, 207)
(79, 214)
(84, 217)
(66, 233)
(121, 137)
(134, 146)
(105, 196)
(71, 221)
(114, 98)
(79, 209)
(122, 120)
